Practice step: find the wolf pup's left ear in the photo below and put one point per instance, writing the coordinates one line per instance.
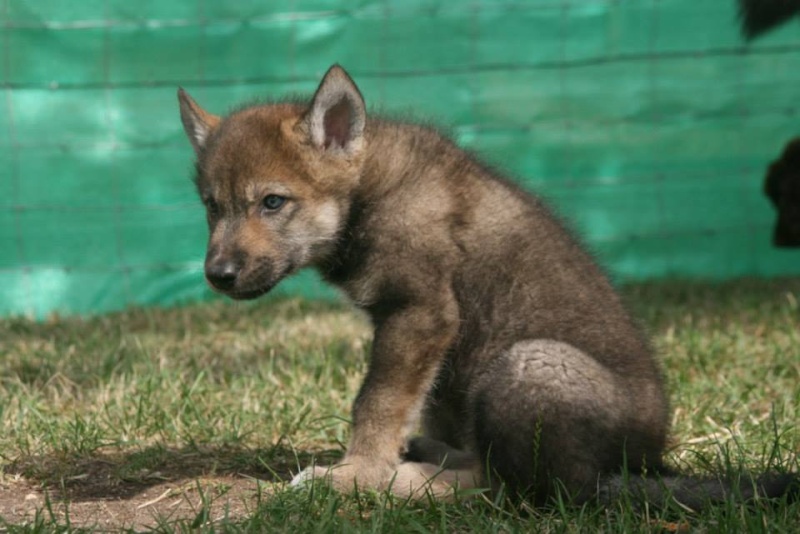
(197, 123)
(335, 121)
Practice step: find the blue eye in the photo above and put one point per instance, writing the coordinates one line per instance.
(274, 202)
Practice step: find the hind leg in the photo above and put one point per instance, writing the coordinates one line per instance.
(428, 450)
(435, 467)
(418, 480)
(429, 468)
(546, 413)
(414, 480)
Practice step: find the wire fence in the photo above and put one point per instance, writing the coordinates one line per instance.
(648, 124)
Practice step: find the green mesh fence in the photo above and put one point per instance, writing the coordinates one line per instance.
(648, 123)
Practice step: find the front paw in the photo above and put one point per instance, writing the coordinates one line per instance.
(308, 475)
(348, 475)
(407, 480)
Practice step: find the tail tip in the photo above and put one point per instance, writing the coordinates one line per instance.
(777, 485)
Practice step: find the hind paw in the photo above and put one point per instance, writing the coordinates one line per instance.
(412, 480)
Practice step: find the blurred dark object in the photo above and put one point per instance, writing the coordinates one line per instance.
(760, 16)
(782, 186)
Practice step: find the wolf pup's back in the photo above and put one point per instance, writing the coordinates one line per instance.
(493, 328)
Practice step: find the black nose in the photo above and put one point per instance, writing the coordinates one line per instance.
(222, 273)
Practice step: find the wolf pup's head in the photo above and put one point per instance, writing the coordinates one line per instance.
(276, 181)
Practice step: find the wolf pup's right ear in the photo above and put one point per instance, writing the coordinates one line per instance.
(337, 116)
(197, 123)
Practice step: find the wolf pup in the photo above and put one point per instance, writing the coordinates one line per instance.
(494, 329)
(782, 187)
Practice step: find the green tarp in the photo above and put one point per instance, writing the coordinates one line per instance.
(648, 124)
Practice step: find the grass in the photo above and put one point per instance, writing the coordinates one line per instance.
(194, 418)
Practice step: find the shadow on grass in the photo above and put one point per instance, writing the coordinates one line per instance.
(122, 475)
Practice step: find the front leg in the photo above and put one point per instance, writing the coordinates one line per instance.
(409, 346)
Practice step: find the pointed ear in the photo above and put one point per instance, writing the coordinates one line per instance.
(336, 119)
(197, 123)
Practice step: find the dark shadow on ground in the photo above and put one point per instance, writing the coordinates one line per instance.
(122, 475)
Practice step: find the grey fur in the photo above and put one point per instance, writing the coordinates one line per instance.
(493, 327)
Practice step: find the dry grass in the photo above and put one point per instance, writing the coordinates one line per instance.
(195, 417)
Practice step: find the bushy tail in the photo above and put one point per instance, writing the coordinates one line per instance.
(695, 494)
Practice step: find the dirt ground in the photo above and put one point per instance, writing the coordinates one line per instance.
(102, 492)
(232, 497)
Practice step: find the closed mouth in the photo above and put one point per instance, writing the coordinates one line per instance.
(249, 295)
(254, 293)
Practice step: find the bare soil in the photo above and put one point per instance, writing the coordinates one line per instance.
(110, 492)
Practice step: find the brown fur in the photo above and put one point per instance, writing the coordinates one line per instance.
(493, 328)
(782, 186)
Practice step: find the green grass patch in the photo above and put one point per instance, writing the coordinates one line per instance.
(196, 417)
